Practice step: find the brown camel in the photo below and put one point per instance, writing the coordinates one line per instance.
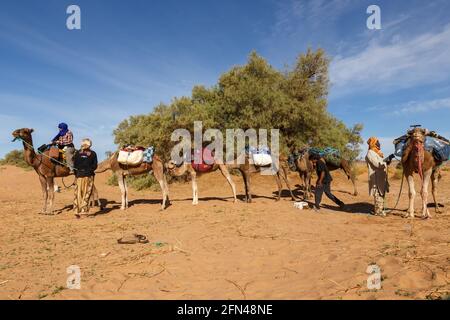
(305, 169)
(178, 171)
(246, 170)
(122, 171)
(44, 167)
(416, 159)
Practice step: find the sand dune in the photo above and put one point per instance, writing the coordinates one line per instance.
(218, 249)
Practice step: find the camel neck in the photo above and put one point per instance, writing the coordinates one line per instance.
(29, 152)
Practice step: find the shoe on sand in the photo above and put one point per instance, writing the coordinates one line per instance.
(133, 239)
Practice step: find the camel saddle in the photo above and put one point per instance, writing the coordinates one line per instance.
(203, 160)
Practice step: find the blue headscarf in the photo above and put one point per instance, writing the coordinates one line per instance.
(64, 128)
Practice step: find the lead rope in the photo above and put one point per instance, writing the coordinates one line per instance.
(399, 194)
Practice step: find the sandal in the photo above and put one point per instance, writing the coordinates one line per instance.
(133, 239)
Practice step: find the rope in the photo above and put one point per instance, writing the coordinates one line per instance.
(73, 183)
(399, 196)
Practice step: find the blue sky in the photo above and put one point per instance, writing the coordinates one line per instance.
(131, 55)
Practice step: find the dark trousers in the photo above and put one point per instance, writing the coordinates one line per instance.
(325, 187)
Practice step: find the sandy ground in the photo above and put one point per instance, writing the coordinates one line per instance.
(218, 249)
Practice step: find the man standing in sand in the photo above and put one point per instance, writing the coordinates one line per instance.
(378, 183)
(85, 162)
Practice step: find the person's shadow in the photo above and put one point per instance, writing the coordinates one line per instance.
(355, 208)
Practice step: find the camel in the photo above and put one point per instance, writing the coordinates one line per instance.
(416, 159)
(246, 170)
(44, 167)
(122, 171)
(178, 171)
(305, 169)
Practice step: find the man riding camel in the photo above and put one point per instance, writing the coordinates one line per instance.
(378, 183)
(64, 140)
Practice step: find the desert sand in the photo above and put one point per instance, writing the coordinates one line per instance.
(218, 249)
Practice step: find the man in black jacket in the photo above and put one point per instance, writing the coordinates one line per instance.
(85, 163)
(323, 182)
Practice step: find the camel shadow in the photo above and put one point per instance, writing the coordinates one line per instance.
(355, 208)
(225, 199)
(298, 193)
(144, 201)
(433, 205)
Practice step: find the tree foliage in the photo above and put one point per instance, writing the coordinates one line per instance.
(15, 158)
(254, 95)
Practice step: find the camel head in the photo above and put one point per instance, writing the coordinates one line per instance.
(174, 169)
(418, 135)
(170, 165)
(24, 134)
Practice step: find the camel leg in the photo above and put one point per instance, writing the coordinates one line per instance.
(348, 171)
(280, 186)
(434, 183)
(51, 193)
(304, 180)
(126, 192)
(194, 188)
(355, 190)
(95, 198)
(227, 176)
(412, 195)
(284, 174)
(249, 188)
(123, 191)
(43, 182)
(158, 172)
(308, 188)
(246, 178)
(426, 182)
(165, 190)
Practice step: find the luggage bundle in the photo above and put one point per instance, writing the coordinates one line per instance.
(134, 155)
(439, 148)
(261, 156)
(206, 157)
(331, 155)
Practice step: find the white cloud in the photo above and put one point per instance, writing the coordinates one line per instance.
(399, 64)
(421, 106)
(412, 107)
